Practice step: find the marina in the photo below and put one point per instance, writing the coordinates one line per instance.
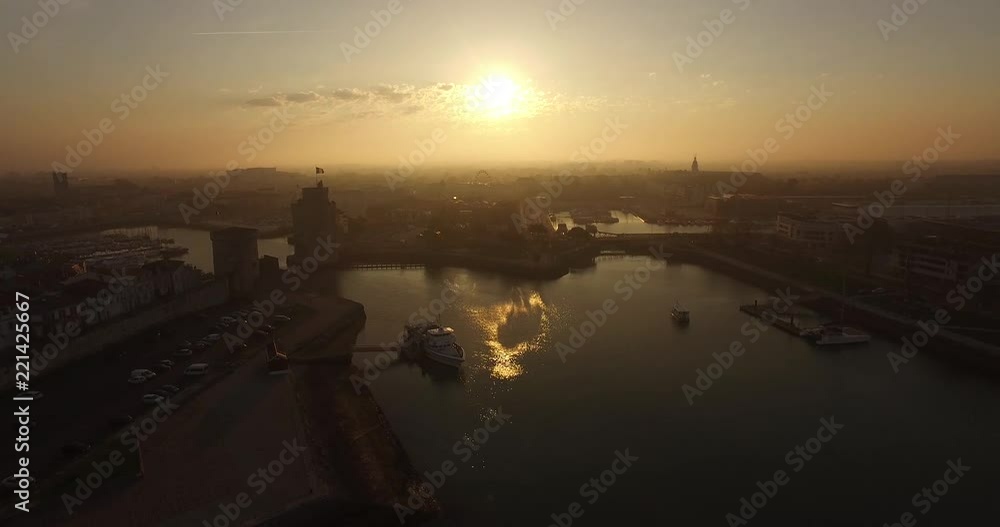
(822, 335)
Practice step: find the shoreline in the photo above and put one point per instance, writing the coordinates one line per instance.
(945, 344)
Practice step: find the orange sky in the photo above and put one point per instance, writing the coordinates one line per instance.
(515, 81)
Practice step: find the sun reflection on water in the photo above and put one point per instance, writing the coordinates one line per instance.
(524, 306)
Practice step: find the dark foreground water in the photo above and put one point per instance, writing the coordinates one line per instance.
(622, 391)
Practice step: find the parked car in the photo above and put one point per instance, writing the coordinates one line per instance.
(196, 369)
(152, 398)
(148, 374)
(185, 344)
(214, 337)
(171, 388)
(137, 379)
(201, 345)
(167, 362)
(120, 421)
(75, 448)
(162, 368)
(227, 320)
(282, 318)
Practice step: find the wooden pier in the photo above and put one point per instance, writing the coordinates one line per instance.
(375, 348)
(757, 311)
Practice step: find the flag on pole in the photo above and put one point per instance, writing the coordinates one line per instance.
(320, 171)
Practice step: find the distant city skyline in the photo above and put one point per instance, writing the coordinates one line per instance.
(515, 81)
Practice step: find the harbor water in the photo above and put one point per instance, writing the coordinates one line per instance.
(590, 370)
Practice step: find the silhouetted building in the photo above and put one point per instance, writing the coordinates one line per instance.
(60, 183)
(235, 258)
(809, 232)
(694, 165)
(314, 220)
(270, 269)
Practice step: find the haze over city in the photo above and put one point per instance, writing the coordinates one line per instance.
(566, 263)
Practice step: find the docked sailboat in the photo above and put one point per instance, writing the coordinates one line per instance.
(435, 342)
(679, 314)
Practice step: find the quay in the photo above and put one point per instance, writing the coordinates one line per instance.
(757, 311)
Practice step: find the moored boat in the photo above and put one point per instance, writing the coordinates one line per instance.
(435, 342)
(836, 335)
(679, 314)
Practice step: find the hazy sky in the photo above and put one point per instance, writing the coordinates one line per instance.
(554, 82)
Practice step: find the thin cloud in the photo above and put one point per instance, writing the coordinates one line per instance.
(278, 32)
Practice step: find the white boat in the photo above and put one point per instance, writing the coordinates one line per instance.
(437, 343)
(680, 314)
(836, 335)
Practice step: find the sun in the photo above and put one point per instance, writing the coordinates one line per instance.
(496, 97)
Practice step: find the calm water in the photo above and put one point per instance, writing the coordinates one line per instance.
(199, 244)
(623, 390)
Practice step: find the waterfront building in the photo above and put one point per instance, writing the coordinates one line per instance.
(314, 219)
(904, 209)
(740, 206)
(235, 258)
(933, 266)
(809, 232)
(60, 184)
(171, 277)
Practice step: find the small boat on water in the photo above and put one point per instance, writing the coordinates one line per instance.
(435, 342)
(679, 314)
(836, 335)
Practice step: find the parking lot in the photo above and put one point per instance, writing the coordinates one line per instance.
(79, 401)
